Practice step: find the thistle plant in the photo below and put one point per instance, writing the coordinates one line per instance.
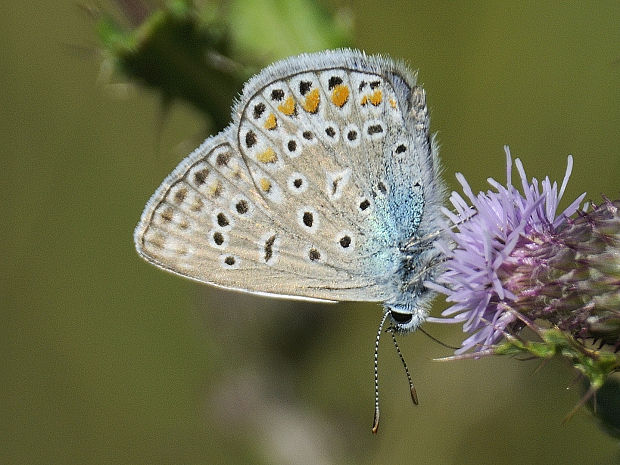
(514, 262)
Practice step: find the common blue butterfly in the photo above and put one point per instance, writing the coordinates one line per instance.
(324, 187)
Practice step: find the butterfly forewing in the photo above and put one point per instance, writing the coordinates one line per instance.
(348, 123)
(294, 198)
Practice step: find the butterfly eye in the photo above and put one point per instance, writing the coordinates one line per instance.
(401, 318)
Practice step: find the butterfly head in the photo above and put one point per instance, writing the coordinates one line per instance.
(403, 321)
(408, 316)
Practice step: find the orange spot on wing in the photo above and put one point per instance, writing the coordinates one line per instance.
(265, 184)
(393, 103)
(364, 101)
(288, 107)
(268, 156)
(340, 95)
(376, 97)
(311, 105)
(271, 122)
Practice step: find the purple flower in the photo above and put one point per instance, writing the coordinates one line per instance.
(514, 262)
(502, 246)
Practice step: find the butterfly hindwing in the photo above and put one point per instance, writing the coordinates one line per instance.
(208, 222)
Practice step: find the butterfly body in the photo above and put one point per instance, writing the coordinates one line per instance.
(325, 186)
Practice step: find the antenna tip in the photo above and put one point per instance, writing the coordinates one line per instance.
(414, 395)
(375, 423)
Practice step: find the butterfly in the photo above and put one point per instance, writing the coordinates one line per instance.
(325, 186)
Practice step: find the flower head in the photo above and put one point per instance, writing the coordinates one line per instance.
(515, 262)
(502, 246)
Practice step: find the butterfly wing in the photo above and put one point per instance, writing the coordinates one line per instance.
(208, 222)
(309, 193)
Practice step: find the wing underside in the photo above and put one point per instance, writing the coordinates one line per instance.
(292, 199)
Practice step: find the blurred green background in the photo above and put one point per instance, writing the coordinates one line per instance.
(106, 359)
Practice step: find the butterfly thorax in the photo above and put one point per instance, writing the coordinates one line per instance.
(410, 301)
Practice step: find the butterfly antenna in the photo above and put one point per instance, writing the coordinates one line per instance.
(414, 394)
(375, 421)
(441, 343)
